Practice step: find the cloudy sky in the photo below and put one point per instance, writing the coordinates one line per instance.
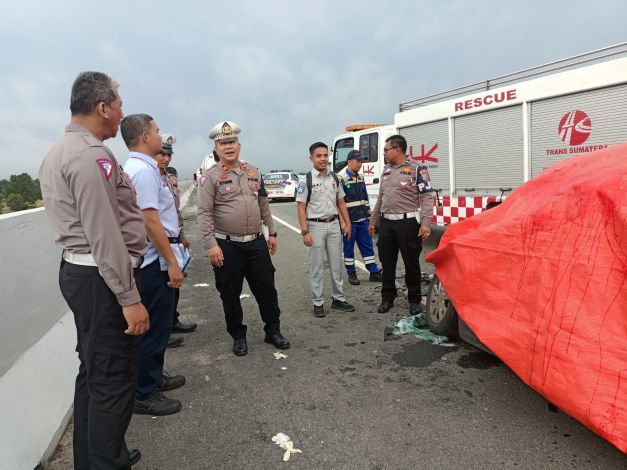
(289, 72)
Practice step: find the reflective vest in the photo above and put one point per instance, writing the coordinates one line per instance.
(356, 197)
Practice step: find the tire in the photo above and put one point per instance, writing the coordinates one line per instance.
(441, 315)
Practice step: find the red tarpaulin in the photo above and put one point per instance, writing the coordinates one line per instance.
(540, 280)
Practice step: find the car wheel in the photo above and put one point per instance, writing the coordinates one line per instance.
(441, 315)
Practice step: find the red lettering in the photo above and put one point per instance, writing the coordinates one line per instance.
(423, 157)
(368, 170)
(487, 100)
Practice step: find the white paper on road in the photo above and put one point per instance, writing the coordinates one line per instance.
(202, 284)
(280, 355)
(284, 442)
(244, 296)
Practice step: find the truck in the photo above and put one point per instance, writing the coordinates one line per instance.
(481, 141)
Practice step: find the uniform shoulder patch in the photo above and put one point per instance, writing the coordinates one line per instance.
(106, 166)
(202, 180)
(302, 185)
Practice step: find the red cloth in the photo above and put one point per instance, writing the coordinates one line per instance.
(540, 280)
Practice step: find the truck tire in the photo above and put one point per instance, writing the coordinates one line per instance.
(441, 315)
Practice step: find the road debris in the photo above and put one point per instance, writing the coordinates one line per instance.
(280, 355)
(284, 442)
(417, 326)
(244, 296)
(202, 284)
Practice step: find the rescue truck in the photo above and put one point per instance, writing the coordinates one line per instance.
(483, 140)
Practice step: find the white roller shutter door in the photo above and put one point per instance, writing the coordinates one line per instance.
(488, 151)
(573, 124)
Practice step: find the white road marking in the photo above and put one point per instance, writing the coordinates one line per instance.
(358, 263)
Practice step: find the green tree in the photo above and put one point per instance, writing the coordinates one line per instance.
(16, 202)
(37, 189)
(25, 186)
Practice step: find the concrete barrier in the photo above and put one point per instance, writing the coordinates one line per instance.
(38, 361)
(37, 341)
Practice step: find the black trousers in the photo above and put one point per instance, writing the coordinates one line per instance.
(250, 260)
(395, 236)
(107, 375)
(159, 301)
(177, 296)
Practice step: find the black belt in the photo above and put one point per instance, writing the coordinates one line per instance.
(330, 219)
(170, 239)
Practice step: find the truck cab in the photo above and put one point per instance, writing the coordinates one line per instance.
(369, 139)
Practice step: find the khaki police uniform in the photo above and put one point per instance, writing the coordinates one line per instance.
(91, 206)
(232, 205)
(324, 228)
(404, 188)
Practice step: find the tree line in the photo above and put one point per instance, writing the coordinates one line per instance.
(19, 192)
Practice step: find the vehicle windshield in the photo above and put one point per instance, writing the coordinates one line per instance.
(340, 152)
(276, 176)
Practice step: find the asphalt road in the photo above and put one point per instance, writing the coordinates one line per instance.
(348, 395)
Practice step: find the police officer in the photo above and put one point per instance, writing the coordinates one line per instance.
(91, 206)
(356, 199)
(232, 204)
(319, 197)
(171, 177)
(160, 272)
(405, 186)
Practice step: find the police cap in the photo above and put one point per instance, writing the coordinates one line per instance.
(225, 131)
(167, 141)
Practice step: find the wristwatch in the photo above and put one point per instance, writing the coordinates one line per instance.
(272, 234)
(304, 232)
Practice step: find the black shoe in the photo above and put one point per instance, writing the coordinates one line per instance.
(278, 340)
(319, 311)
(175, 341)
(240, 347)
(156, 404)
(385, 306)
(171, 382)
(376, 277)
(352, 278)
(415, 309)
(342, 305)
(134, 456)
(179, 327)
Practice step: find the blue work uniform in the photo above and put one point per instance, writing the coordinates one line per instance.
(356, 198)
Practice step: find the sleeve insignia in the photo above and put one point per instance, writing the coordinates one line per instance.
(106, 166)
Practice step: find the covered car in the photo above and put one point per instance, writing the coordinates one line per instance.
(281, 185)
(540, 280)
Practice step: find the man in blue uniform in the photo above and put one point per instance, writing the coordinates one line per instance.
(356, 199)
(160, 273)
